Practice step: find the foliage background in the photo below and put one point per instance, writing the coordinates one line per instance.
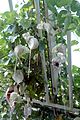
(12, 26)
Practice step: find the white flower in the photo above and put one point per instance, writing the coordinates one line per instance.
(62, 57)
(57, 61)
(8, 92)
(18, 76)
(33, 43)
(47, 27)
(20, 50)
(27, 36)
(14, 97)
(61, 48)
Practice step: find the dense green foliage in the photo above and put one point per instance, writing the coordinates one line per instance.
(66, 16)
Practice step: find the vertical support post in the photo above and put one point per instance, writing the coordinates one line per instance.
(42, 54)
(69, 70)
(10, 5)
(51, 44)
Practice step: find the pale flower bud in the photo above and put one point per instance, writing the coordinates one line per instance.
(14, 98)
(26, 36)
(18, 76)
(33, 43)
(20, 50)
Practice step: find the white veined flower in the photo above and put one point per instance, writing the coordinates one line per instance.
(61, 48)
(47, 27)
(62, 57)
(56, 62)
(20, 50)
(14, 97)
(8, 92)
(27, 36)
(33, 43)
(18, 76)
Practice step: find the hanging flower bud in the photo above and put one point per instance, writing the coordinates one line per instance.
(18, 76)
(8, 93)
(26, 36)
(20, 50)
(47, 27)
(15, 98)
(33, 43)
(12, 96)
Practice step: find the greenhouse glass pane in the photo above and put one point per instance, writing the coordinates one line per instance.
(4, 6)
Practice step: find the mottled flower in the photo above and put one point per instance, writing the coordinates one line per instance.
(47, 27)
(20, 50)
(59, 48)
(58, 61)
(27, 36)
(31, 41)
(12, 96)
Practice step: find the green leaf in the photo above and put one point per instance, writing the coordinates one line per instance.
(61, 3)
(75, 5)
(25, 23)
(74, 42)
(78, 30)
(77, 49)
(9, 17)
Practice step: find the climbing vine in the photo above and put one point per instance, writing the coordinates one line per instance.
(32, 53)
